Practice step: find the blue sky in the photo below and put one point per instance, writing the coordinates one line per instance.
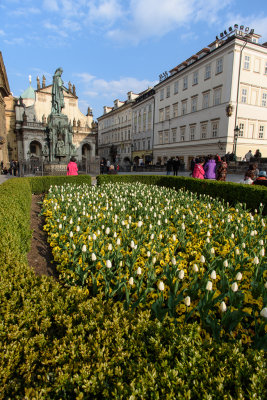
(109, 47)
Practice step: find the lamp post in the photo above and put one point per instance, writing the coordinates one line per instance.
(236, 134)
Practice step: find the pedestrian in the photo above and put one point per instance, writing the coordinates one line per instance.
(210, 168)
(199, 171)
(176, 165)
(261, 180)
(217, 158)
(248, 156)
(169, 166)
(72, 168)
(192, 165)
(107, 165)
(248, 178)
(102, 166)
(254, 168)
(221, 170)
(257, 155)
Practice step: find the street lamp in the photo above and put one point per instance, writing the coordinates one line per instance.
(236, 134)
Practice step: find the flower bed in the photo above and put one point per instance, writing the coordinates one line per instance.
(190, 257)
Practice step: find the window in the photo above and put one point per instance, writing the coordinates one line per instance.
(219, 65)
(244, 93)
(144, 144)
(207, 71)
(139, 121)
(144, 120)
(264, 99)
(167, 112)
(241, 130)
(261, 131)
(265, 71)
(168, 91)
(247, 62)
(160, 137)
(182, 133)
(192, 132)
(217, 96)
(176, 87)
(166, 136)
(185, 83)
(214, 129)
(184, 107)
(195, 78)
(161, 115)
(148, 144)
(203, 131)
(174, 131)
(175, 110)
(206, 100)
(194, 104)
(161, 94)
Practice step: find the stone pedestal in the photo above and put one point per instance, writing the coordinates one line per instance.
(55, 169)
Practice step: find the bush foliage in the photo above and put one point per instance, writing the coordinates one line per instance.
(41, 184)
(233, 193)
(56, 343)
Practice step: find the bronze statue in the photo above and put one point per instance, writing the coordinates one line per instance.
(57, 92)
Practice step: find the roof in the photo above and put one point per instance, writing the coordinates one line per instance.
(29, 93)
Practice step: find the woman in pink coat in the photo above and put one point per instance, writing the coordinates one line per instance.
(72, 168)
(199, 171)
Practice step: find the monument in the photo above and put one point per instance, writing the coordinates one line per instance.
(59, 146)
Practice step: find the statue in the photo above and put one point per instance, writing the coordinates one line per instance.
(60, 149)
(45, 150)
(57, 92)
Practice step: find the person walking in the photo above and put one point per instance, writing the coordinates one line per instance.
(176, 165)
(221, 170)
(169, 166)
(248, 179)
(72, 168)
(199, 171)
(248, 156)
(210, 168)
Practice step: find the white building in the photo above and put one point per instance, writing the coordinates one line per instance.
(115, 131)
(143, 127)
(202, 101)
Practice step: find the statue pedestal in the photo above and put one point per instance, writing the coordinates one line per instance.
(55, 169)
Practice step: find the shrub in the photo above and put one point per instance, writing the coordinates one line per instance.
(41, 184)
(230, 192)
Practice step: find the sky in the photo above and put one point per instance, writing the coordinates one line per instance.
(110, 47)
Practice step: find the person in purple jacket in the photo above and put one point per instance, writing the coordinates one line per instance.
(210, 168)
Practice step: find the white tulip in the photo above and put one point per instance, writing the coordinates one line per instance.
(261, 242)
(243, 245)
(160, 236)
(94, 236)
(238, 276)
(71, 221)
(263, 312)
(132, 244)
(131, 281)
(84, 248)
(107, 231)
(173, 238)
(195, 268)
(148, 253)
(208, 240)
(109, 247)
(212, 251)
(118, 242)
(223, 307)
(202, 259)
(234, 287)
(187, 301)
(225, 263)
(181, 274)
(71, 234)
(237, 252)
(139, 271)
(152, 236)
(108, 264)
(262, 252)
(209, 286)
(161, 286)
(173, 261)
(256, 261)
(73, 246)
(208, 234)
(139, 224)
(93, 256)
(77, 228)
(213, 275)
(154, 260)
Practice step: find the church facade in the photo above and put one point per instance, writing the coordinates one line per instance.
(32, 110)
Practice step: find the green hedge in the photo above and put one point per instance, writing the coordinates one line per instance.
(233, 193)
(57, 343)
(41, 184)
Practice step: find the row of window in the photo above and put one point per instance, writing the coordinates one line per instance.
(142, 145)
(189, 133)
(249, 131)
(142, 120)
(256, 65)
(254, 97)
(115, 137)
(195, 79)
(173, 112)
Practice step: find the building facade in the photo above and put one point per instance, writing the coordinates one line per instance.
(220, 91)
(115, 131)
(32, 110)
(143, 127)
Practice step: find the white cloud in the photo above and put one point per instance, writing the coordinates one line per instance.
(105, 10)
(2, 33)
(113, 89)
(55, 28)
(156, 18)
(14, 41)
(50, 5)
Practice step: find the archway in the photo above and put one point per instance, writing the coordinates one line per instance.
(35, 150)
(86, 152)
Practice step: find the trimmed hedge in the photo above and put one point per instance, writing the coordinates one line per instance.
(231, 192)
(41, 184)
(57, 343)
